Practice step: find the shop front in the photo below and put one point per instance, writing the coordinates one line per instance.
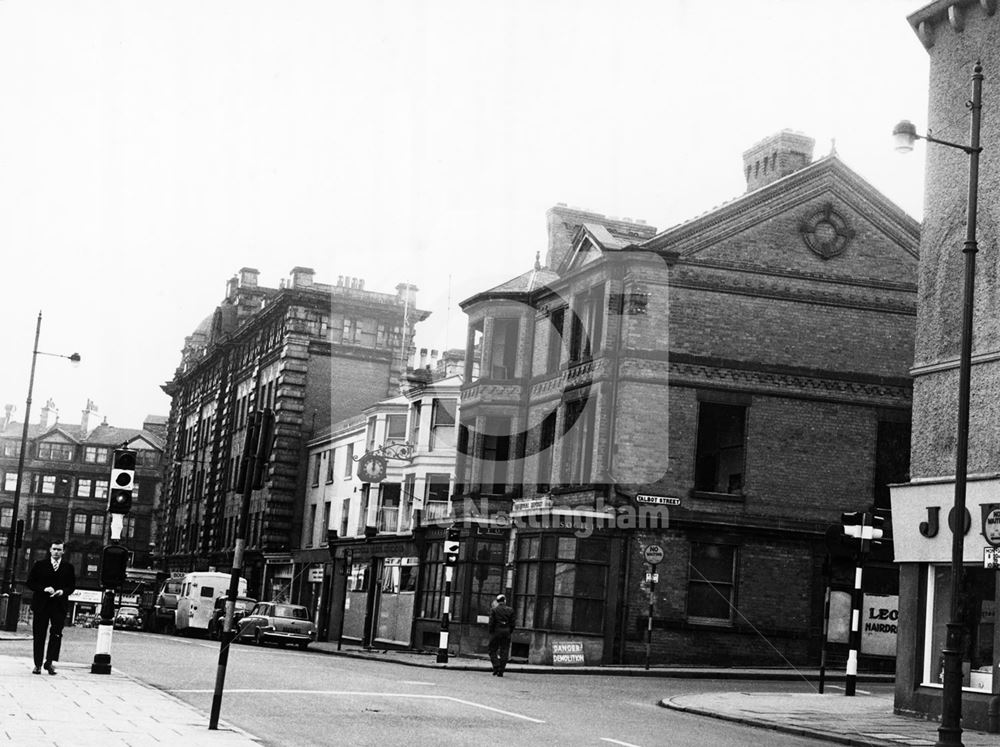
(372, 598)
(923, 518)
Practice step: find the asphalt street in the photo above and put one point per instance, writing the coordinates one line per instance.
(286, 696)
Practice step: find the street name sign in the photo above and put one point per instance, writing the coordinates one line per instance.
(658, 500)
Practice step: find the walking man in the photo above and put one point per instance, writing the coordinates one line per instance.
(501, 626)
(52, 580)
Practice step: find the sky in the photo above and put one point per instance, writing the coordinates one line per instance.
(149, 150)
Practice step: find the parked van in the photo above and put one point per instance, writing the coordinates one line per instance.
(165, 609)
(196, 600)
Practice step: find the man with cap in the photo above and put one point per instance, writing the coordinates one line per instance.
(501, 626)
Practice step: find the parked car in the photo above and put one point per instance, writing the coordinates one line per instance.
(128, 618)
(279, 623)
(244, 606)
(166, 606)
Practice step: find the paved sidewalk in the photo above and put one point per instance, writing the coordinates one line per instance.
(78, 709)
(859, 720)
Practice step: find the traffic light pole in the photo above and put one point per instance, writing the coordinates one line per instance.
(450, 557)
(114, 559)
(255, 453)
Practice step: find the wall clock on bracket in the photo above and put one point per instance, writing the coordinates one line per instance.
(371, 468)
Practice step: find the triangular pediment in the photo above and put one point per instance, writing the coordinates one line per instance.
(824, 220)
(590, 243)
(141, 443)
(56, 435)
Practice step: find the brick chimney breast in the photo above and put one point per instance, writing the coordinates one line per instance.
(776, 157)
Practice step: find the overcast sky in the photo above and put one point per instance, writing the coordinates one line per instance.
(148, 150)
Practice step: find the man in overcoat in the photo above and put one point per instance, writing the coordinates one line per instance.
(52, 581)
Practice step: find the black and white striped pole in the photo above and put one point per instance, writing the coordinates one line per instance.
(451, 546)
(866, 529)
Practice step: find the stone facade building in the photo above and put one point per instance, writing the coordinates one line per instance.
(722, 389)
(64, 492)
(313, 353)
(956, 34)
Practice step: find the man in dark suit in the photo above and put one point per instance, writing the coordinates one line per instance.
(52, 580)
(501, 626)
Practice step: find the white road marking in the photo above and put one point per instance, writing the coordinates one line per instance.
(415, 682)
(246, 691)
(615, 741)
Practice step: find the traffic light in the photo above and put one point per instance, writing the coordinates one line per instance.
(877, 530)
(122, 481)
(852, 522)
(451, 545)
(114, 566)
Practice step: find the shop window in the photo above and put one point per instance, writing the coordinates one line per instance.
(721, 445)
(977, 612)
(443, 424)
(561, 583)
(487, 575)
(711, 583)
(429, 603)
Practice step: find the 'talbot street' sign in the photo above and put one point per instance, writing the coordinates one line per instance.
(658, 500)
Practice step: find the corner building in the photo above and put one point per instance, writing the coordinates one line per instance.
(955, 35)
(722, 389)
(314, 353)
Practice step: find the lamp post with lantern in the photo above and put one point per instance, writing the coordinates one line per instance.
(11, 598)
(905, 134)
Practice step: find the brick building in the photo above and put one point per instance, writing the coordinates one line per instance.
(723, 389)
(956, 34)
(64, 492)
(315, 354)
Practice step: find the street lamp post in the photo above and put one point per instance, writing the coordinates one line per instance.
(13, 606)
(950, 730)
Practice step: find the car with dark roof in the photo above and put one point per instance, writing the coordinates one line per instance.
(276, 622)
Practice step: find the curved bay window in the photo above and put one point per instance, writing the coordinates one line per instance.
(561, 583)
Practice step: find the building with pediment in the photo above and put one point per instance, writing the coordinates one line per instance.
(712, 396)
(64, 492)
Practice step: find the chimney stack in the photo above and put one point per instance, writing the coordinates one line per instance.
(49, 415)
(776, 157)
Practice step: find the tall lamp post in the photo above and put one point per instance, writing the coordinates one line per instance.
(13, 598)
(950, 730)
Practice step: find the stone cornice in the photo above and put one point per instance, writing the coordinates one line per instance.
(786, 384)
(779, 286)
